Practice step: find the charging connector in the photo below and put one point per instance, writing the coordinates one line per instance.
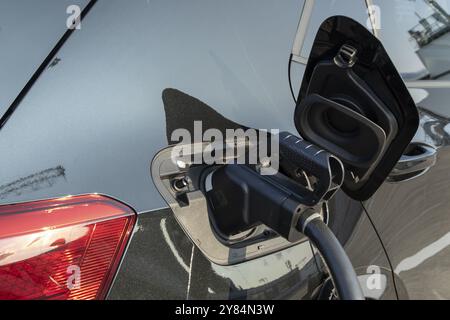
(241, 199)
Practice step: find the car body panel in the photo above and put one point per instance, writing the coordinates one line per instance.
(28, 32)
(162, 263)
(93, 123)
(176, 269)
(412, 216)
(113, 100)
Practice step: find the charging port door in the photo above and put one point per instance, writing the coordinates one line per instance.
(354, 104)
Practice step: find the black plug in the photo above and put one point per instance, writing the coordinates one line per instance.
(241, 199)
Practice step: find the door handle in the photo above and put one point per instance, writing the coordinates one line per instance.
(418, 158)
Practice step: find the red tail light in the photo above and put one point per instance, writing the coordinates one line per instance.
(67, 248)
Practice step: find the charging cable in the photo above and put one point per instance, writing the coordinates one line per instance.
(341, 269)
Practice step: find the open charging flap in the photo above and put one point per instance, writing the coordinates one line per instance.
(354, 104)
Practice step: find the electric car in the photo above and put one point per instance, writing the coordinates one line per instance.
(92, 91)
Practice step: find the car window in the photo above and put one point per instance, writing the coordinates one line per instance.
(28, 32)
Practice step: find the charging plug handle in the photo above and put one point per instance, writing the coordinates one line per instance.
(241, 198)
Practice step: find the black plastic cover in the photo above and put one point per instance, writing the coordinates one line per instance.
(354, 104)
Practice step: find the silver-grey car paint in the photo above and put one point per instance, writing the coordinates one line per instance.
(28, 32)
(94, 121)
